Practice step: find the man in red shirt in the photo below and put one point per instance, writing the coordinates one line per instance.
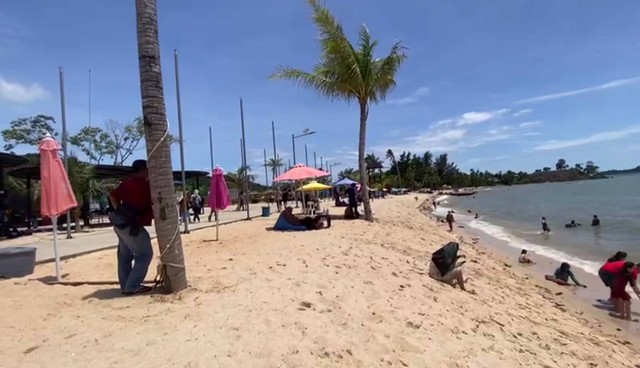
(131, 201)
(622, 299)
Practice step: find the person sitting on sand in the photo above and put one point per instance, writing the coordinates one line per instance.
(524, 258)
(622, 299)
(288, 221)
(572, 224)
(562, 276)
(545, 226)
(445, 266)
(450, 220)
(595, 221)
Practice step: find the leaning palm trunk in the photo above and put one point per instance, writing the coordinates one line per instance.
(364, 175)
(158, 148)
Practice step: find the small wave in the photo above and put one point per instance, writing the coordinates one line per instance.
(500, 233)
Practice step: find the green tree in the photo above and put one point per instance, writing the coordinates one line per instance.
(94, 143)
(159, 147)
(561, 164)
(349, 72)
(115, 141)
(275, 164)
(394, 164)
(28, 131)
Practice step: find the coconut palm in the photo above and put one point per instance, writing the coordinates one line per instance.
(351, 73)
(392, 157)
(275, 164)
(159, 147)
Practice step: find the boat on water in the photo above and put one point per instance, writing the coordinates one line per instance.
(463, 193)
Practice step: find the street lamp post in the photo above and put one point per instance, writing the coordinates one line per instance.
(305, 133)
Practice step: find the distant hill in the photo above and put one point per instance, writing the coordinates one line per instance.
(635, 170)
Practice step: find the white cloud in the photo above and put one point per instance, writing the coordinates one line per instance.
(412, 98)
(529, 124)
(471, 118)
(594, 138)
(21, 94)
(477, 160)
(553, 96)
(522, 112)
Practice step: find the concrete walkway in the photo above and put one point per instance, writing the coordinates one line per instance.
(104, 238)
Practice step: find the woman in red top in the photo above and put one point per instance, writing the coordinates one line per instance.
(622, 299)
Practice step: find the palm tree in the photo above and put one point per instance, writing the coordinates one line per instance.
(159, 147)
(391, 157)
(275, 164)
(349, 72)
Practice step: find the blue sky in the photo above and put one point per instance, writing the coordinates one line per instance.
(497, 84)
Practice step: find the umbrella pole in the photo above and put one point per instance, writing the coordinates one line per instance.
(55, 247)
(217, 226)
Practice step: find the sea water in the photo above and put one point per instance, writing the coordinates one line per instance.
(512, 214)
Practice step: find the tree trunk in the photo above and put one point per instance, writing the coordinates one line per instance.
(158, 147)
(364, 176)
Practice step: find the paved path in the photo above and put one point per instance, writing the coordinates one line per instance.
(104, 238)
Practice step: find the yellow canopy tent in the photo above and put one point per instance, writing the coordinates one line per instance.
(314, 186)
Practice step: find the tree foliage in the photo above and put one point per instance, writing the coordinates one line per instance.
(349, 72)
(115, 141)
(28, 131)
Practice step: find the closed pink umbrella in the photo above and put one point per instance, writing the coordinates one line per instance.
(56, 195)
(219, 196)
(301, 172)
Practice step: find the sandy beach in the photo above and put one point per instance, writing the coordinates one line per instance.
(355, 295)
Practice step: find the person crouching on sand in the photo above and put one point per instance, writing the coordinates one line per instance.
(450, 220)
(562, 276)
(622, 299)
(524, 258)
(610, 270)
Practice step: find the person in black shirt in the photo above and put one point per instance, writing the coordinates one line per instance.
(353, 200)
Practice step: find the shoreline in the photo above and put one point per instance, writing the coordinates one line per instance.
(585, 298)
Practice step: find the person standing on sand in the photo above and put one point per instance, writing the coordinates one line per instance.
(622, 299)
(610, 270)
(353, 200)
(131, 201)
(196, 205)
(450, 220)
(545, 226)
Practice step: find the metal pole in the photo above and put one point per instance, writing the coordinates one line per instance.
(306, 156)
(244, 157)
(293, 142)
(315, 160)
(90, 157)
(321, 164)
(266, 175)
(275, 158)
(181, 137)
(64, 144)
(211, 149)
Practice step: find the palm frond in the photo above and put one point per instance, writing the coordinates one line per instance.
(386, 70)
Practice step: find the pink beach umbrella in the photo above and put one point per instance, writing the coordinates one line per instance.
(56, 195)
(219, 196)
(301, 172)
